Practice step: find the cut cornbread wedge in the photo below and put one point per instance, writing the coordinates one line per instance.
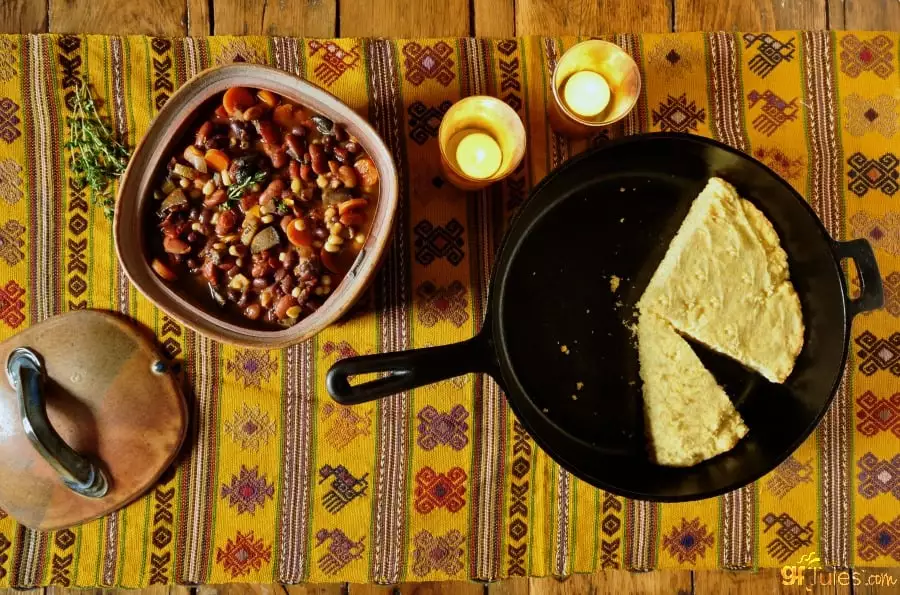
(688, 417)
(724, 282)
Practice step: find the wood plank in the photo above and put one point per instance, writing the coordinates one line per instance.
(591, 17)
(495, 18)
(404, 18)
(768, 580)
(835, 14)
(198, 18)
(616, 582)
(876, 581)
(510, 586)
(152, 17)
(423, 588)
(872, 15)
(260, 17)
(23, 16)
(760, 15)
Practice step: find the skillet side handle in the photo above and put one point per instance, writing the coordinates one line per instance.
(871, 295)
(406, 370)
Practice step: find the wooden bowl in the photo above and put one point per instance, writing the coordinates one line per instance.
(166, 134)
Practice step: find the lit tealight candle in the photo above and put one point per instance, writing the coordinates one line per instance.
(478, 155)
(586, 93)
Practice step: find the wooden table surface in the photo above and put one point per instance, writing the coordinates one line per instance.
(487, 18)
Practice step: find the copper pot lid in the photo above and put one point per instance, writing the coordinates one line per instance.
(90, 417)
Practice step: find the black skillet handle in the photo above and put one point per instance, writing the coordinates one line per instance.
(871, 292)
(408, 369)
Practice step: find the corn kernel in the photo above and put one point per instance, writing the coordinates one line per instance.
(329, 213)
(296, 292)
(218, 246)
(300, 224)
(265, 299)
(184, 182)
(326, 279)
(326, 289)
(321, 181)
(215, 218)
(336, 229)
(336, 240)
(226, 178)
(332, 248)
(239, 282)
(296, 186)
(196, 226)
(255, 188)
(293, 311)
(288, 201)
(233, 251)
(319, 290)
(239, 262)
(360, 238)
(267, 208)
(267, 218)
(209, 188)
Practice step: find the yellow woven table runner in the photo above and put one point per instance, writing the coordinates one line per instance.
(278, 483)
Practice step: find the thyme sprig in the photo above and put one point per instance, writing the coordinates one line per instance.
(96, 156)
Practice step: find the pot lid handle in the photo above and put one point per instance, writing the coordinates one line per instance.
(26, 372)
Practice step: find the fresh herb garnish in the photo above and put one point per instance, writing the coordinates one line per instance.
(97, 158)
(280, 207)
(236, 190)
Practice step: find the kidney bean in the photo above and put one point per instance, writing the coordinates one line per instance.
(253, 311)
(276, 155)
(318, 161)
(294, 170)
(210, 272)
(259, 269)
(202, 133)
(352, 147)
(295, 147)
(248, 201)
(287, 283)
(268, 132)
(227, 221)
(341, 154)
(320, 233)
(306, 173)
(340, 134)
(283, 305)
(215, 199)
(333, 166)
(175, 245)
(259, 283)
(256, 112)
(347, 175)
(193, 237)
(272, 191)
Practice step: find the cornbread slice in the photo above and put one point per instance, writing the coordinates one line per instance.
(724, 282)
(688, 417)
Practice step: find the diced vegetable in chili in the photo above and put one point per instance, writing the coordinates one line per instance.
(264, 209)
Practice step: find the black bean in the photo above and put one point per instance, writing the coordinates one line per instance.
(260, 283)
(299, 131)
(321, 233)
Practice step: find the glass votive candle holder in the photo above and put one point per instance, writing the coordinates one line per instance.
(482, 140)
(595, 83)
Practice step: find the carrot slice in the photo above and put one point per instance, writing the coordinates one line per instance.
(217, 159)
(353, 203)
(237, 98)
(163, 271)
(268, 97)
(283, 115)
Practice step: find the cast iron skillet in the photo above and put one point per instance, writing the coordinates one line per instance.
(613, 211)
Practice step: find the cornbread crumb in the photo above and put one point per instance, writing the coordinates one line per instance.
(614, 281)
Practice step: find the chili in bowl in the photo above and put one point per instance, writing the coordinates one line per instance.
(261, 217)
